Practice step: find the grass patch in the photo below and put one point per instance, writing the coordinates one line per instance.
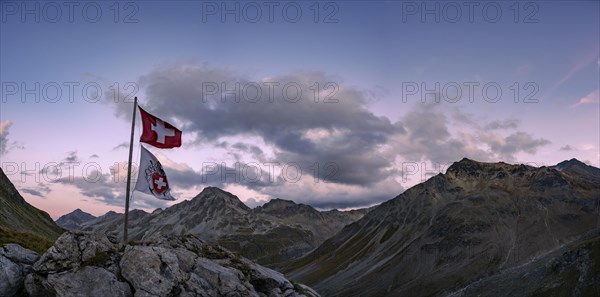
(214, 252)
(99, 259)
(25, 239)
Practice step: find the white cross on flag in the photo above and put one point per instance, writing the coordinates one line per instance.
(152, 178)
(159, 133)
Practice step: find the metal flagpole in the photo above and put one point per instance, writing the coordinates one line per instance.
(129, 172)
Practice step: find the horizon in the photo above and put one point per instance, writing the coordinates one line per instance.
(343, 105)
(282, 198)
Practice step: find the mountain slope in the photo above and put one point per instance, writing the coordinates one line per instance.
(22, 223)
(279, 230)
(473, 221)
(572, 270)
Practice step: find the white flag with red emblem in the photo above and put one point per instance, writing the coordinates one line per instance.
(159, 133)
(152, 178)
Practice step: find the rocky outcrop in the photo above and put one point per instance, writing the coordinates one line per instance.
(88, 264)
(15, 263)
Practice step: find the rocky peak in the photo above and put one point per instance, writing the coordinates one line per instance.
(137, 213)
(465, 167)
(568, 164)
(277, 204)
(74, 219)
(219, 198)
(285, 208)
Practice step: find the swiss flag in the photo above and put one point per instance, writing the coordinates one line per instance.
(159, 133)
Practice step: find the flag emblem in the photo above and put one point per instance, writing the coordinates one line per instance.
(152, 179)
(159, 183)
(159, 133)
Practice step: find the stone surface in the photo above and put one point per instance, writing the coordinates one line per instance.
(88, 264)
(15, 263)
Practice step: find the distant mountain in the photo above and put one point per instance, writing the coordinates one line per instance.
(22, 223)
(476, 221)
(74, 219)
(277, 231)
(579, 168)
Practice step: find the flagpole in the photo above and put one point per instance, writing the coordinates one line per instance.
(129, 172)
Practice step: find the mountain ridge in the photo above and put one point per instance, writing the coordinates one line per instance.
(474, 219)
(278, 230)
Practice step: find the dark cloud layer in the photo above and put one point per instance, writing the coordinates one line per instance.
(346, 132)
(355, 149)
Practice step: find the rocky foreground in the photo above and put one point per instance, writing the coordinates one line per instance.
(89, 264)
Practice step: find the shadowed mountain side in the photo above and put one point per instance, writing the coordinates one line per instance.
(22, 223)
(474, 220)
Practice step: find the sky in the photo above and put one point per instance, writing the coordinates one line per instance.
(333, 104)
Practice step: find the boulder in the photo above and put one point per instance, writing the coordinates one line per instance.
(15, 263)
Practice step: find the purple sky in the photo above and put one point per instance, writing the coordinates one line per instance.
(516, 82)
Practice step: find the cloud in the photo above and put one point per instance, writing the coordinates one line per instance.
(94, 156)
(521, 141)
(566, 148)
(71, 157)
(510, 123)
(347, 155)
(120, 146)
(591, 98)
(109, 188)
(251, 175)
(303, 131)
(5, 144)
(326, 195)
(4, 127)
(53, 171)
(252, 203)
(41, 190)
(443, 135)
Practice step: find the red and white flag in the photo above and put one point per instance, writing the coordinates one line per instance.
(152, 179)
(159, 133)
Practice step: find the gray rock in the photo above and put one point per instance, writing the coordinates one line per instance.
(15, 264)
(19, 254)
(71, 250)
(89, 281)
(86, 264)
